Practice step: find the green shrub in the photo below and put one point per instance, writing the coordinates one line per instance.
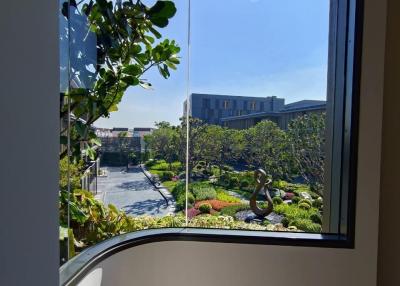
(233, 182)
(181, 201)
(293, 212)
(232, 210)
(285, 222)
(161, 166)
(225, 197)
(244, 184)
(318, 203)
(205, 172)
(277, 200)
(279, 184)
(306, 225)
(166, 176)
(150, 163)
(295, 199)
(170, 184)
(227, 168)
(204, 193)
(205, 208)
(305, 201)
(180, 188)
(266, 222)
(179, 193)
(316, 218)
(224, 180)
(304, 206)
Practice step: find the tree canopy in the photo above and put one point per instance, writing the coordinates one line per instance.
(284, 154)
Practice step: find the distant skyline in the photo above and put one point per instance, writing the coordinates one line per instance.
(244, 47)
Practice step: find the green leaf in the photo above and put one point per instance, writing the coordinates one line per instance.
(160, 22)
(163, 9)
(170, 65)
(132, 70)
(174, 60)
(77, 214)
(95, 141)
(135, 49)
(155, 32)
(130, 80)
(150, 39)
(161, 12)
(80, 128)
(145, 85)
(113, 108)
(90, 152)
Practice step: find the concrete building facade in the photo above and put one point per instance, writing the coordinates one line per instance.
(241, 112)
(211, 108)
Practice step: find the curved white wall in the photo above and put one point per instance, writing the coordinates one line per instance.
(197, 263)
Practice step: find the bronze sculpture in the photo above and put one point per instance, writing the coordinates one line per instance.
(261, 184)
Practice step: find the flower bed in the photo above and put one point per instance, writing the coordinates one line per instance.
(215, 204)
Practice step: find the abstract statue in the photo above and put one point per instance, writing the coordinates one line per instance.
(262, 184)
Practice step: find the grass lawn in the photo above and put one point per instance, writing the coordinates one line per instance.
(170, 184)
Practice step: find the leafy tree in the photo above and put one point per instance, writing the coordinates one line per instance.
(209, 143)
(196, 149)
(164, 141)
(126, 48)
(307, 142)
(220, 146)
(266, 147)
(232, 146)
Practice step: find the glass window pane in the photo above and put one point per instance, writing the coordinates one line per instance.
(258, 101)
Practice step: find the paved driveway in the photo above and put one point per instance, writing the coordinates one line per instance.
(131, 192)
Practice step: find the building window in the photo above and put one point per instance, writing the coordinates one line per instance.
(253, 105)
(226, 104)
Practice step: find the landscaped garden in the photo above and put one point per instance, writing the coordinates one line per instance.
(227, 196)
(222, 162)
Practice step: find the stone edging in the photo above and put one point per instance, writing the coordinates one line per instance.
(168, 197)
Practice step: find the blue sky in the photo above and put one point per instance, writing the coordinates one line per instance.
(239, 47)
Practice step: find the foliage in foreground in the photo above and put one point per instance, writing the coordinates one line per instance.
(93, 222)
(126, 33)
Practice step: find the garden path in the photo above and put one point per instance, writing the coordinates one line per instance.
(132, 192)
